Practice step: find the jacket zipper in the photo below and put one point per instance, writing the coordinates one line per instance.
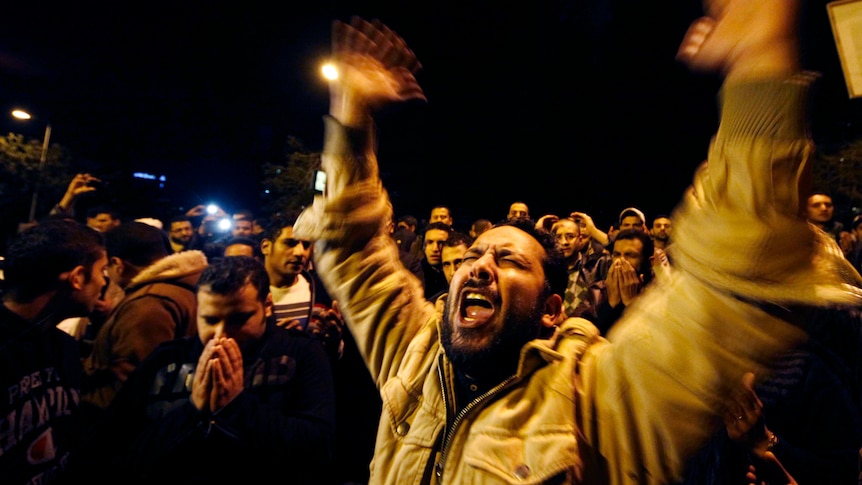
(459, 418)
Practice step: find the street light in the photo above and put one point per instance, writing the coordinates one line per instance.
(23, 115)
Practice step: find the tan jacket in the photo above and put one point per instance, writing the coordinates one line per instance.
(159, 305)
(582, 409)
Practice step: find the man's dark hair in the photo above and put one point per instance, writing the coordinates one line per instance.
(554, 264)
(102, 209)
(409, 220)
(243, 215)
(247, 241)
(457, 238)
(819, 191)
(647, 251)
(137, 243)
(481, 225)
(179, 218)
(225, 276)
(278, 222)
(38, 255)
(441, 226)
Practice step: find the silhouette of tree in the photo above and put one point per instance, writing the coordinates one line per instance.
(19, 172)
(288, 185)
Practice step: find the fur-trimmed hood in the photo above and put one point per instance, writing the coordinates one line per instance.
(171, 267)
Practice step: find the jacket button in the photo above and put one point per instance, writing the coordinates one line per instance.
(402, 429)
(522, 472)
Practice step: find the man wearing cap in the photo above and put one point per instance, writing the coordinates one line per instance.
(159, 305)
(632, 218)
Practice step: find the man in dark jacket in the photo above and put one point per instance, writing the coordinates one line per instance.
(52, 271)
(242, 402)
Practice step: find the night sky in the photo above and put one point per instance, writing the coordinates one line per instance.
(566, 105)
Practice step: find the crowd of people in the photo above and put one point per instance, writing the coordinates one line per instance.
(348, 343)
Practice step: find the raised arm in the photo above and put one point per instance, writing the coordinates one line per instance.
(375, 67)
(357, 259)
(745, 263)
(744, 39)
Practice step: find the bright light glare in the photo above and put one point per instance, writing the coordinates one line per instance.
(329, 71)
(224, 224)
(21, 115)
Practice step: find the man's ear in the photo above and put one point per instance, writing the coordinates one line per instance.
(118, 264)
(77, 278)
(552, 310)
(267, 306)
(265, 247)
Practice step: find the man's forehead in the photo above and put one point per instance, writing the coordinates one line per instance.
(436, 235)
(566, 225)
(508, 237)
(819, 198)
(459, 249)
(624, 245)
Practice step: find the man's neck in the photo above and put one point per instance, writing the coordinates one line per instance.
(285, 281)
(32, 310)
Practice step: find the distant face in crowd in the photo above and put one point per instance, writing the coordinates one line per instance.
(479, 227)
(285, 257)
(102, 222)
(496, 298)
(404, 225)
(661, 228)
(820, 209)
(631, 250)
(181, 232)
(518, 210)
(242, 228)
(240, 315)
(434, 239)
(239, 249)
(631, 222)
(440, 214)
(452, 257)
(568, 237)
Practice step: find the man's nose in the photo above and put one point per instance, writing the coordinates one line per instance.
(482, 268)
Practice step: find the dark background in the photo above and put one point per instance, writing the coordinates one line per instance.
(566, 105)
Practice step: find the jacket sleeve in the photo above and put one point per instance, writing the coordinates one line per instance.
(655, 392)
(141, 325)
(357, 259)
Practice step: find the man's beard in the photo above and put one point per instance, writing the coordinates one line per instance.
(499, 357)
